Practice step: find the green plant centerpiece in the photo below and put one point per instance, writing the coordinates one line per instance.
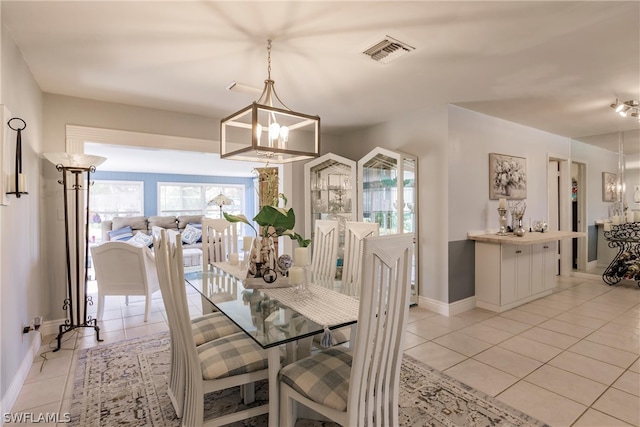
(274, 221)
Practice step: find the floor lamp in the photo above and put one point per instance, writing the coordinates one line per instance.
(73, 167)
(220, 200)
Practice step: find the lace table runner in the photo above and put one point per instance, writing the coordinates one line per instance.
(323, 306)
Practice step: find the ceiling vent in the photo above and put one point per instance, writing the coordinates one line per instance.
(388, 49)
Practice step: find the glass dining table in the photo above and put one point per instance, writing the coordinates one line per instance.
(275, 317)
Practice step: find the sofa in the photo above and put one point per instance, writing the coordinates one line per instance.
(145, 225)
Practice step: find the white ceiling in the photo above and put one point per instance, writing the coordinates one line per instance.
(551, 65)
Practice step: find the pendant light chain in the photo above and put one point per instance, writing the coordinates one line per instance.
(269, 59)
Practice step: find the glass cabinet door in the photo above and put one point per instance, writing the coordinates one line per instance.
(386, 182)
(331, 194)
(387, 185)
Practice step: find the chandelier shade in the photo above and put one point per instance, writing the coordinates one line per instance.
(267, 130)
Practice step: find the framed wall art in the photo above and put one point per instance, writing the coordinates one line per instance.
(507, 177)
(609, 184)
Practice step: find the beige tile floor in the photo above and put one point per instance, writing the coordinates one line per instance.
(569, 359)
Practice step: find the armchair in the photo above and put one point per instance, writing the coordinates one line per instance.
(124, 269)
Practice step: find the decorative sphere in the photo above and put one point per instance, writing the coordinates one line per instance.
(285, 262)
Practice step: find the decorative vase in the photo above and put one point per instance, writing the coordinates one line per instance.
(261, 256)
(519, 230)
(507, 190)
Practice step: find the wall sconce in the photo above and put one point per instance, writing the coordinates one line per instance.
(18, 182)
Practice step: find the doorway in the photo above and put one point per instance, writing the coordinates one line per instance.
(579, 214)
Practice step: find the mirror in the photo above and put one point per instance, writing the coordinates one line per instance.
(591, 157)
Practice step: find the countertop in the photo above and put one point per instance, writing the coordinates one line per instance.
(530, 238)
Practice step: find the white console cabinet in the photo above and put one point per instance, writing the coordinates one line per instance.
(511, 270)
(509, 275)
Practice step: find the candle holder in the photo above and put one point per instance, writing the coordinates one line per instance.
(502, 218)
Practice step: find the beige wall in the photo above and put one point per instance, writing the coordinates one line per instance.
(21, 275)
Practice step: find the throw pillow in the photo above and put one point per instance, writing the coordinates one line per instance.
(191, 234)
(140, 239)
(199, 227)
(121, 234)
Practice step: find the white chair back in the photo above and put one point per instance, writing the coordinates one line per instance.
(325, 250)
(219, 239)
(382, 318)
(354, 235)
(177, 378)
(195, 363)
(124, 269)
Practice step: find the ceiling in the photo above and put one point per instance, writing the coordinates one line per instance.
(552, 65)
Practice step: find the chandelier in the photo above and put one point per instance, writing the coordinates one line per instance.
(628, 108)
(267, 130)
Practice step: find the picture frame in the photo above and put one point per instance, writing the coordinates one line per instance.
(507, 177)
(609, 185)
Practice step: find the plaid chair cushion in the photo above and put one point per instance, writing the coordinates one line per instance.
(211, 327)
(231, 355)
(338, 336)
(322, 377)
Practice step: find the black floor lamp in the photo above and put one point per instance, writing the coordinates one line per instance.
(73, 167)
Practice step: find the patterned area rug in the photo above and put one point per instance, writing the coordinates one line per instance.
(125, 384)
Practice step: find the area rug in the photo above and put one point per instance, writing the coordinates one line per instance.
(125, 384)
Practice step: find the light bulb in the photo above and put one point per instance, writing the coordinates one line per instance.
(258, 132)
(274, 131)
(284, 136)
(619, 108)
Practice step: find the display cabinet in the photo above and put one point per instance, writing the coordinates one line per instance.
(331, 184)
(381, 187)
(387, 188)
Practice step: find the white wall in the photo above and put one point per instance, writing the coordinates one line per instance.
(423, 134)
(21, 272)
(472, 136)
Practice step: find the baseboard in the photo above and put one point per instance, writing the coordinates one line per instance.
(10, 397)
(445, 309)
(51, 327)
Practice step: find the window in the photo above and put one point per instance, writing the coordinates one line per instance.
(109, 199)
(191, 199)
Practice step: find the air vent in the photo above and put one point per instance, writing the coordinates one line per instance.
(388, 49)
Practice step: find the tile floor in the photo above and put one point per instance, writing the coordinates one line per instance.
(570, 359)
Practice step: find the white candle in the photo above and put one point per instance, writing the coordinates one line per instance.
(629, 216)
(296, 275)
(301, 257)
(22, 183)
(233, 259)
(607, 226)
(636, 216)
(615, 219)
(246, 243)
(502, 203)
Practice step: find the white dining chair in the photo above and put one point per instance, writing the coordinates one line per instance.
(124, 269)
(324, 247)
(360, 387)
(204, 328)
(232, 360)
(354, 235)
(219, 240)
